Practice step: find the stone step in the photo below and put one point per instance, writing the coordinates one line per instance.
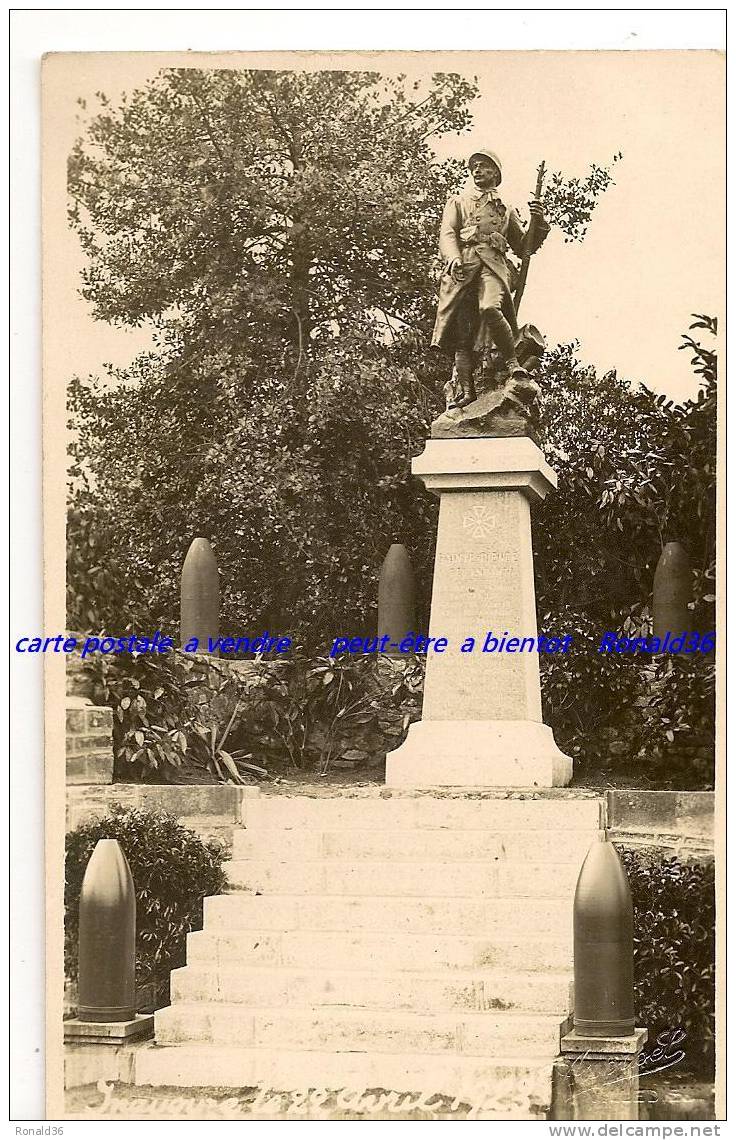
(398, 812)
(413, 844)
(322, 949)
(422, 993)
(506, 1088)
(211, 827)
(366, 877)
(462, 916)
(360, 1030)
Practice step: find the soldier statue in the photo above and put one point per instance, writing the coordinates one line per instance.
(476, 316)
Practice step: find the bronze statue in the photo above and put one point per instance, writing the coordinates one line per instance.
(476, 313)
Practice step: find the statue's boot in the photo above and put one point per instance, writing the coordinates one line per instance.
(502, 336)
(468, 395)
(464, 373)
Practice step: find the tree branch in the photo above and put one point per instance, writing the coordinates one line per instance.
(208, 125)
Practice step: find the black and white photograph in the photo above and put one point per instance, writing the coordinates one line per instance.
(382, 526)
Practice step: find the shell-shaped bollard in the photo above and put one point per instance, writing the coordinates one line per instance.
(604, 946)
(396, 595)
(200, 595)
(672, 591)
(107, 937)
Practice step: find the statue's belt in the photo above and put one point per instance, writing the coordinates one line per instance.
(478, 234)
(495, 241)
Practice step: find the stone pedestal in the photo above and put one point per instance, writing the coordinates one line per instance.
(482, 718)
(108, 1032)
(103, 1050)
(598, 1078)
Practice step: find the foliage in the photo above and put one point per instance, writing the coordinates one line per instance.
(320, 489)
(636, 471)
(95, 587)
(678, 713)
(221, 704)
(311, 711)
(172, 868)
(674, 950)
(231, 202)
(172, 716)
(174, 713)
(148, 695)
(569, 202)
(584, 691)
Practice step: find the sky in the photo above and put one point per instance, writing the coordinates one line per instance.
(654, 251)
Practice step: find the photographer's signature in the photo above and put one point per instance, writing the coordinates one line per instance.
(665, 1054)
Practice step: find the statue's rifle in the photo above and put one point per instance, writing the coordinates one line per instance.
(528, 239)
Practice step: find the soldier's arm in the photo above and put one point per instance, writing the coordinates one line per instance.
(516, 233)
(450, 232)
(540, 231)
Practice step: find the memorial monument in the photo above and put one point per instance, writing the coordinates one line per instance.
(482, 718)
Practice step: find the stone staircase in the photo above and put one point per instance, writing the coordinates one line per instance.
(413, 942)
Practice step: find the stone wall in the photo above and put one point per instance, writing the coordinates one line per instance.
(681, 822)
(89, 757)
(212, 810)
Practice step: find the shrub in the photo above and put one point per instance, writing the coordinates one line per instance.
(674, 950)
(174, 713)
(678, 716)
(307, 712)
(149, 697)
(587, 695)
(173, 869)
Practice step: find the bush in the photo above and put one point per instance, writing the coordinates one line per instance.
(150, 700)
(674, 950)
(635, 472)
(173, 869)
(588, 696)
(307, 712)
(173, 713)
(678, 714)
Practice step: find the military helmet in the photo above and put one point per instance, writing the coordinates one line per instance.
(488, 154)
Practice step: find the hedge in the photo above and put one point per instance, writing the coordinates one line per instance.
(674, 950)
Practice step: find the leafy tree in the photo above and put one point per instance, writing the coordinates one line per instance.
(238, 208)
(300, 513)
(637, 472)
(269, 225)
